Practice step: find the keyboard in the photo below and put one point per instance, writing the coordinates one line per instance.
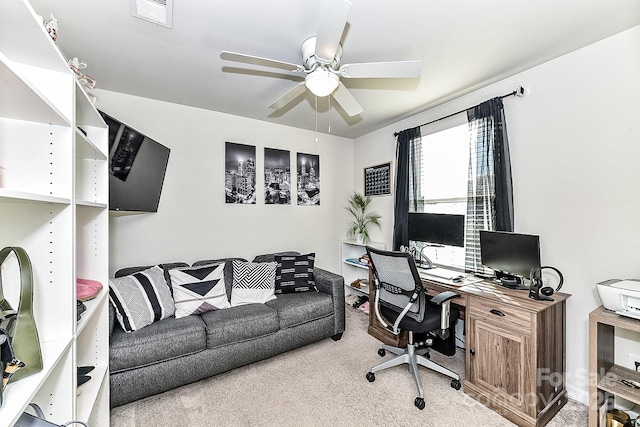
(442, 273)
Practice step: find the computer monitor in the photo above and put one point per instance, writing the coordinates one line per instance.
(509, 254)
(440, 229)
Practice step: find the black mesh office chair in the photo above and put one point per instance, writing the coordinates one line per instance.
(400, 299)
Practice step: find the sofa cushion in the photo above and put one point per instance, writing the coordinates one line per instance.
(197, 290)
(294, 273)
(141, 298)
(253, 283)
(164, 340)
(238, 324)
(298, 308)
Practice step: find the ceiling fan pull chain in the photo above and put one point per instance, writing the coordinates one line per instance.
(316, 118)
(329, 113)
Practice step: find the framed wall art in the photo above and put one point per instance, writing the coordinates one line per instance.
(277, 177)
(240, 173)
(377, 180)
(308, 166)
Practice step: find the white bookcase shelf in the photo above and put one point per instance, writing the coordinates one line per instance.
(87, 149)
(29, 105)
(352, 269)
(26, 389)
(19, 196)
(53, 203)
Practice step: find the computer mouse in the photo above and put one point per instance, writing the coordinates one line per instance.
(458, 279)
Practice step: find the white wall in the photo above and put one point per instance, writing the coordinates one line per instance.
(193, 222)
(575, 149)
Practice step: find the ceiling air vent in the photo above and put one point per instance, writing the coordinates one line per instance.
(157, 11)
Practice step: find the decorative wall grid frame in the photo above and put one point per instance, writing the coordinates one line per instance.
(377, 180)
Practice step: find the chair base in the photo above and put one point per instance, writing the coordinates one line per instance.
(414, 359)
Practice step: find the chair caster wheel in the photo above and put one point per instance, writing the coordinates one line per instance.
(381, 352)
(419, 402)
(371, 377)
(456, 384)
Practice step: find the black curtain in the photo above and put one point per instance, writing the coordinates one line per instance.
(491, 113)
(502, 165)
(490, 194)
(404, 154)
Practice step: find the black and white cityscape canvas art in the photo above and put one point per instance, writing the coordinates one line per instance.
(308, 166)
(277, 177)
(240, 173)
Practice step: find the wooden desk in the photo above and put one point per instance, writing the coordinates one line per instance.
(515, 349)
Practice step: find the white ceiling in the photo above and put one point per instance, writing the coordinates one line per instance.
(464, 44)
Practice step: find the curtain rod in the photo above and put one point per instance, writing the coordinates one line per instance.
(518, 92)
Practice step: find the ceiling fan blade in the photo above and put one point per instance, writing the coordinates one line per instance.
(368, 70)
(289, 96)
(256, 60)
(333, 18)
(347, 101)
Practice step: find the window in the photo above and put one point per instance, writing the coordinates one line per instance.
(432, 178)
(441, 160)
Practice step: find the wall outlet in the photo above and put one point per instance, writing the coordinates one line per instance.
(631, 361)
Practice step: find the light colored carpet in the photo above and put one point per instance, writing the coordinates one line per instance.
(323, 384)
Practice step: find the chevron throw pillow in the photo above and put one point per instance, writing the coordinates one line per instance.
(294, 273)
(197, 290)
(253, 282)
(141, 298)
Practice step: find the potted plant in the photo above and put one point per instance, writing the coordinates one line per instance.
(362, 220)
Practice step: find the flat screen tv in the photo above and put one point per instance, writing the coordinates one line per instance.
(137, 166)
(509, 254)
(440, 229)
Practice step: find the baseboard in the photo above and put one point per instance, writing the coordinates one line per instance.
(578, 394)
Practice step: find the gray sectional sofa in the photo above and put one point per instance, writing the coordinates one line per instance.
(176, 351)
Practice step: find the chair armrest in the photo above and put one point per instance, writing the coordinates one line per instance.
(444, 297)
(332, 284)
(444, 300)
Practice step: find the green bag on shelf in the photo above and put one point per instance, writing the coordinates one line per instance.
(20, 325)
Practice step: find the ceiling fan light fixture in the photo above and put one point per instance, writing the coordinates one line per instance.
(322, 82)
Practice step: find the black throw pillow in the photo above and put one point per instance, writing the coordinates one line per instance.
(294, 273)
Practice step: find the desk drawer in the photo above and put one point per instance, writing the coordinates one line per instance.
(506, 315)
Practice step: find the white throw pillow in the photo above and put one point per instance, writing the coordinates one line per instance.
(253, 282)
(197, 290)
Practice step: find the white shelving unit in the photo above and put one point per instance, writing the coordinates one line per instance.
(352, 250)
(54, 204)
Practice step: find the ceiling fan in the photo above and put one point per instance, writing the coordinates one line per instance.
(321, 62)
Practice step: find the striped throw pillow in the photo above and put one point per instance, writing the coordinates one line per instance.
(141, 298)
(294, 273)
